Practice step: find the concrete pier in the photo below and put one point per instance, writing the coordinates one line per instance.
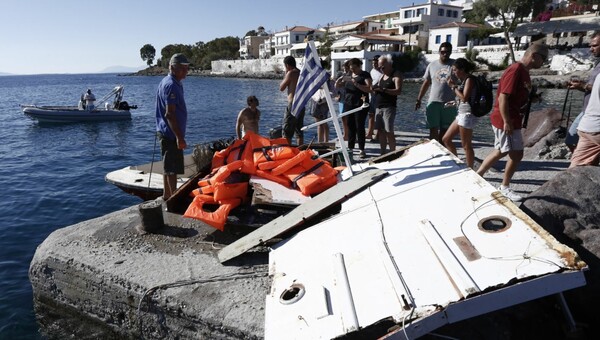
(98, 271)
(103, 279)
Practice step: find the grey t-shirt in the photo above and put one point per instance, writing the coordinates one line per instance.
(590, 122)
(591, 79)
(439, 74)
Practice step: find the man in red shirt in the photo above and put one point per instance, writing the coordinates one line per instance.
(511, 100)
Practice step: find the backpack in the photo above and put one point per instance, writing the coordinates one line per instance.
(482, 98)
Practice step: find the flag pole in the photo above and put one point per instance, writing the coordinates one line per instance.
(335, 119)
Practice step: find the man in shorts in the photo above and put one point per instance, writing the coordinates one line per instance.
(291, 124)
(387, 89)
(585, 87)
(439, 116)
(513, 94)
(171, 122)
(587, 151)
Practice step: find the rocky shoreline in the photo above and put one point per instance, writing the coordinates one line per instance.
(542, 78)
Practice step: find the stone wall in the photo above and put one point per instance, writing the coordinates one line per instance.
(252, 66)
(578, 59)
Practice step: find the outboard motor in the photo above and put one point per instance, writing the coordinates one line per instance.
(125, 106)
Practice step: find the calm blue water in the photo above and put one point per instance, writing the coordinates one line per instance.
(52, 176)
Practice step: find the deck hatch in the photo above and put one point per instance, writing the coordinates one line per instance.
(494, 224)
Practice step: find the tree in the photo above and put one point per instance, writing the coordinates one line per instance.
(251, 33)
(326, 41)
(510, 12)
(148, 52)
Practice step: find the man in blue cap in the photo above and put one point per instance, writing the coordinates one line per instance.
(171, 122)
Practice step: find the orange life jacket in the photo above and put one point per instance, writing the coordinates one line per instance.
(277, 179)
(217, 218)
(239, 150)
(310, 176)
(221, 173)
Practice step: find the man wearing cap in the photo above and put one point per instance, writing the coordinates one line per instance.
(513, 94)
(171, 122)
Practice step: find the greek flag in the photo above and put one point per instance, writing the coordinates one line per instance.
(311, 78)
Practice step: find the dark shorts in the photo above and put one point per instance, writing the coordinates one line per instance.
(320, 111)
(172, 156)
(440, 117)
(292, 125)
(373, 105)
(384, 119)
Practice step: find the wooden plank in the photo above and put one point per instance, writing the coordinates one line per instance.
(326, 199)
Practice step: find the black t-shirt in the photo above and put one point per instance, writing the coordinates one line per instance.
(353, 95)
(386, 99)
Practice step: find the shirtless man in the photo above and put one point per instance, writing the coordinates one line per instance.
(248, 118)
(291, 125)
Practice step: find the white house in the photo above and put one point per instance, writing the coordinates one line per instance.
(453, 32)
(364, 47)
(387, 19)
(250, 46)
(284, 41)
(357, 27)
(413, 22)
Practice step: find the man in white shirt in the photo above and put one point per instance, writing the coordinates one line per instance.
(89, 99)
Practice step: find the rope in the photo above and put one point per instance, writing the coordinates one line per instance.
(152, 163)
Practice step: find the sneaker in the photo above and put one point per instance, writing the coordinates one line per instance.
(508, 193)
(362, 154)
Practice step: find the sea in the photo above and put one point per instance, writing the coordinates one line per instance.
(52, 175)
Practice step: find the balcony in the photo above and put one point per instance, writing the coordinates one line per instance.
(413, 20)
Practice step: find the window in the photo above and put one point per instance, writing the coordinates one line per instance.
(297, 38)
(455, 14)
(440, 12)
(408, 14)
(421, 11)
(448, 37)
(438, 39)
(449, 13)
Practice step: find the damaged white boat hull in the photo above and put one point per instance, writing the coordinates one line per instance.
(146, 180)
(432, 243)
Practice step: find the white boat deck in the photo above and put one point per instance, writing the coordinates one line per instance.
(148, 177)
(424, 246)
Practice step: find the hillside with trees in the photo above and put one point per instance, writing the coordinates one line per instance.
(200, 54)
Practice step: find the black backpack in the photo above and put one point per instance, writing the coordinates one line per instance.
(482, 98)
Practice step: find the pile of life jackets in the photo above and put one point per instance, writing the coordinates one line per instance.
(273, 159)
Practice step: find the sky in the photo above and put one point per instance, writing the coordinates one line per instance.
(66, 36)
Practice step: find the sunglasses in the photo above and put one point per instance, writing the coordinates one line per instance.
(445, 52)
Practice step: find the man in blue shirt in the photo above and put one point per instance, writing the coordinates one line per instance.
(171, 122)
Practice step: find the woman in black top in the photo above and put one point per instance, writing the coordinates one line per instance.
(357, 87)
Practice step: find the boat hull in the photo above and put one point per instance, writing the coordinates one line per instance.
(146, 181)
(57, 114)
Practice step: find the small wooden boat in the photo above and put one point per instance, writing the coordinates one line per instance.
(111, 107)
(146, 180)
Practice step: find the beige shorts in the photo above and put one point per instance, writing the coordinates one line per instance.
(587, 151)
(505, 142)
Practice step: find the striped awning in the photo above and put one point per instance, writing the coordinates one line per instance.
(347, 43)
